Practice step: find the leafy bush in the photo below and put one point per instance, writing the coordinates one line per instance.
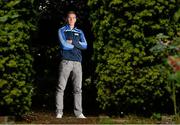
(171, 47)
(130, 77)
(16, 22)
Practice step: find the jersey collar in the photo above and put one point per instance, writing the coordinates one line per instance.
(68, 27)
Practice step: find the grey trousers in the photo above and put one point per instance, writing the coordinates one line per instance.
(65, 68)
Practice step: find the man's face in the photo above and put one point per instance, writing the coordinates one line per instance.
(71, 19)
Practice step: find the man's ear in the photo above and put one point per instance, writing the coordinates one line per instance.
(66, 20)
(77, 18)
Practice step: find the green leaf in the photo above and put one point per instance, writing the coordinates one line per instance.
(3, 82)
(4, 18)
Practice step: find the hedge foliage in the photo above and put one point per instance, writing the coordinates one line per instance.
(16, 22)
(130, 77)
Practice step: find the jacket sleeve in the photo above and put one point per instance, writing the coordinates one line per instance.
(63, 42)
(82, 44)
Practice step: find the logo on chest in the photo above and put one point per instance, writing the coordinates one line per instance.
(76, 34)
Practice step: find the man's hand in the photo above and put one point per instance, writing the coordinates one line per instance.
(69, 41)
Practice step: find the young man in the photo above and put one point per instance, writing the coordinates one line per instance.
(72, 41)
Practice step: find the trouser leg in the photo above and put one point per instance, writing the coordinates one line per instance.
(64, 71)
(77, 85)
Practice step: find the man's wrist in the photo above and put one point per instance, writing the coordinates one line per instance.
(69, 41)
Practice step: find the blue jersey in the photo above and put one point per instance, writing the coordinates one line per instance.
(72, 51)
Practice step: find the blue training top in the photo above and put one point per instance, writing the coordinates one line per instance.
(72, 51)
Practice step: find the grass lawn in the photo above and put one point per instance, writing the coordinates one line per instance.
(42, 117)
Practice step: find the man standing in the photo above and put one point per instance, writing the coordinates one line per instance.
(72, 41)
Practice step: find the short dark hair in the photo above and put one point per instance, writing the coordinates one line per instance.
(70, 12)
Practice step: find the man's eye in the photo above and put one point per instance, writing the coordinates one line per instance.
(72, 18)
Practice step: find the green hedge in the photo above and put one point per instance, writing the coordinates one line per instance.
(16, 22)
(130, 77)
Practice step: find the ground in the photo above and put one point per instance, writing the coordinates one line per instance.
(44, 117)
